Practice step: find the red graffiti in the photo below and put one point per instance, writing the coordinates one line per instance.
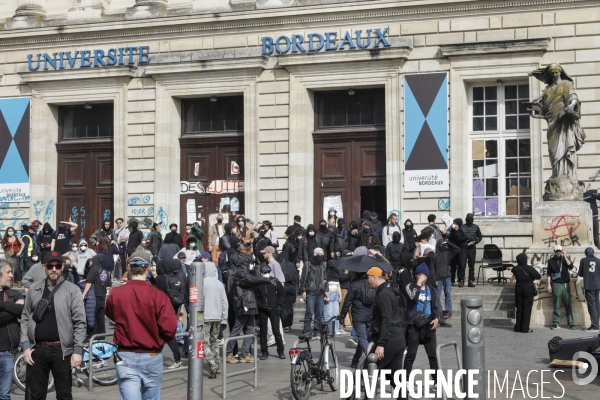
(563, 226)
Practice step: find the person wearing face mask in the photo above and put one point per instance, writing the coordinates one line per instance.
(229, 240)
(410, 236)
(214, 235)
(245, 232)
(368, 237)
(444, 252)
(454, 236)
(198, 233)
(84, 254)
(156, 239)
(313, 286)
(470, 236)
(191, 251)
(291, 230)
(10, 245)
(26, 250)
(339, 239)
(332, 219)
(173, 236)
(324, 236)
(63, 235)
(46, 240)
(270, 299)
(188, 230)
(311, 239)
(394, 250)
(135, 238)
(106, 230)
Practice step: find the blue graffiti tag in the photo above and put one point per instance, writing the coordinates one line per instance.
(38, 206)
(133, 201)
(49, 217)
(163, 217)
(443, 204)
(146, 199)
(106, 214)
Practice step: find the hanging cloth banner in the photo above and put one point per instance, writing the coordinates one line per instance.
(426, 132)
(15, 124)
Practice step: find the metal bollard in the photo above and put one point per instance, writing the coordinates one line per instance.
(473, 355)
(196, 331)
(371, 367)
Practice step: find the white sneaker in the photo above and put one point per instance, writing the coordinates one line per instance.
(220, 342)
(271, 342)
(175, 365)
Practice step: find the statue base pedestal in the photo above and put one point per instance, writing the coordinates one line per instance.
(569, 224)
(562, 189)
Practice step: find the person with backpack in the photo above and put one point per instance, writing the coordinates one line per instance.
(362, 299)
(216, 308)
(171, 280)
(270, 299)
(98, 278)
(437, 234)
(110, 251)
(445, 251)
(260, 243)
(422, 319)
(387, 231)
(313, 285)
(524, 293)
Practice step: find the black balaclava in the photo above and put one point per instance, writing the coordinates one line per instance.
(47, 228)
(522, 259)
(396, 237)
(323, 226)
(469, 219)
(228, 228)
(458, 222)
(408, 225)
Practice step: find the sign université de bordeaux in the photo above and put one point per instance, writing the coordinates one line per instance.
(91, 58)
(316, 42)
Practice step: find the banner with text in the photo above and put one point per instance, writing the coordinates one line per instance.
(14, 149)
(426, 132)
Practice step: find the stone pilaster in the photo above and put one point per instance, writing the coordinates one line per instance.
(29, 14)
(147, 9)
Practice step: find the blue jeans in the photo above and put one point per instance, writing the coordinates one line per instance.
(314, 306)
(363, 331)
(140, 371)
(446, 286)
(331, 309)
(6, 366)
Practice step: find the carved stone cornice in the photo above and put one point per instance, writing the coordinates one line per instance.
(501, 46)
(386, 54)
(257, 21)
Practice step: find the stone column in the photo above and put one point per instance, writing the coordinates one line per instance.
(85, 10)
(30, 8)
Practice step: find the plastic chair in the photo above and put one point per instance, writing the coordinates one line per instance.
(492, 258)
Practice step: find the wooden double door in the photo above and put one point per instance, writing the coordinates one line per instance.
(352, 166)
(85, 184)
(212, 180)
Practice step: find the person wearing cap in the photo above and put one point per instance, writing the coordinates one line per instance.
(56, 342)
(421, 299)
(589, 269)
(144, 322)
(387, 323)
(313, 285)
(559, 279)
(524, 293)
(591, 197)
(270, 298)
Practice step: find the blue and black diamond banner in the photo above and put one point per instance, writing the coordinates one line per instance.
(14, 149)
(426, 132)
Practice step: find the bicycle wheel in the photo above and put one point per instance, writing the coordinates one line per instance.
(104, 373)
(333, 374)
(301, 380)
(20, 373)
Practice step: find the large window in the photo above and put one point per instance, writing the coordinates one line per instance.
(500, 150)
(214, 114)
(89, 121)
(350, 108)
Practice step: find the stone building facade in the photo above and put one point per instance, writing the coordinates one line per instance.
(221, 48)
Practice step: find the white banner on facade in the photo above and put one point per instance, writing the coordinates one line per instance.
(426, 181)
(14, 192)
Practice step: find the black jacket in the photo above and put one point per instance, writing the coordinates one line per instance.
(469, 233)
(339, 241)
(10, 314)
(314, 278)
(393, 252)
(333, 274)
(174, 237)
(413, 291)
(259, 243)
(524, 274)
(155, 242)
(376, 225)
(324, 239)
(165, 268)
(270, 296)
(388, 318)
(135, 239)
(444, 252)
(591, 197)
(242, 284)
(410, 236)
(289, 272)
(360, 312)
(346, 279)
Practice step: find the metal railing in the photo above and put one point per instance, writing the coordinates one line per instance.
(224, 364)
(104, 336)
(458, 358)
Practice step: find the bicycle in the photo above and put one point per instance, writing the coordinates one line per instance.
(305, 370)
(103, 374)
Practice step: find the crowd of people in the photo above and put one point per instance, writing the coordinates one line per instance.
(249, 280)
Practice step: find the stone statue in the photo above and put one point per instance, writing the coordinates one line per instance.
(561, 109)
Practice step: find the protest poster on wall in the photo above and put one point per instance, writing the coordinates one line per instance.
(15, 123)
(335, 202)
(426, 132)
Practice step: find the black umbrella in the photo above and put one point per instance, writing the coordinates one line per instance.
(362, 263)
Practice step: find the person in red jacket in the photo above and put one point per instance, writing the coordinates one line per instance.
(144, 322)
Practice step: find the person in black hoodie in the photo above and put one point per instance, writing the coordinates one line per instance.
(368, 237)
(454, 236)
(46, 240)
(376, 224)
(394, 250)
(339, 239)
(229, 240)
(260, 242)
(174, 236)
(98, 279)
(289, 288)
(422, 299)
(470, 236)
(356, 228)
(313, 286)
(165, 269)
(444, 251)
(135, 237)
(410, 236)
(270, 299)
(311, 239)
(324, 236)
(524, 293)
(361, 315)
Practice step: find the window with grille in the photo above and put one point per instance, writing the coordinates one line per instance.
(89, 121)
(215, 114)
(341, 109)
(500, 150)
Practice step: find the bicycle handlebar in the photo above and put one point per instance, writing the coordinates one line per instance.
(339, 317)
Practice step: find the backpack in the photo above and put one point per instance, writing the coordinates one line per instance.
(367, 294)
(436, 233)
(175, 289)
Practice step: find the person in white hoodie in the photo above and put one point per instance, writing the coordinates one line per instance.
(82, 256)
(216, 310)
